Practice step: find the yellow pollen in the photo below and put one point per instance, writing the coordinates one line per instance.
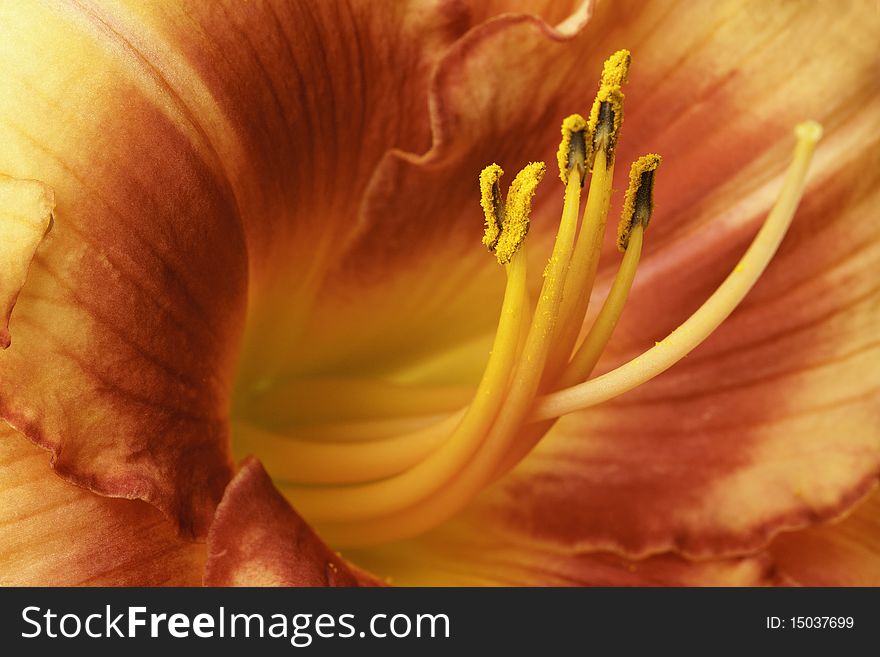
(517, 211)
(490, 199)
(638, 205)
(573, 147)
(616, 69)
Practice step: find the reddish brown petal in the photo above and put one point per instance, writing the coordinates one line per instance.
(316, 93)
(257, 539)
(462, 554)
(846, 553)
(55, 534)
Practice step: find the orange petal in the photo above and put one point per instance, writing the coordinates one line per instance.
(846, 553)
(257, 539)
(55, 534)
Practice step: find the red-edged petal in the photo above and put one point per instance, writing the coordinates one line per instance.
(723, 119)
(53, 533)
(466, 554)
(553, 12)
(124, 335)
(26, 215)
(257, 539)
(846, 553)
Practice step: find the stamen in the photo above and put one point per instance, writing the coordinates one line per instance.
(582, 268)
(572, 151)
(606, 115)
(575, 303)
(637, 209)
(710, 315)
(493, 208)
(335, 504)
(585, 261)
(588, 354)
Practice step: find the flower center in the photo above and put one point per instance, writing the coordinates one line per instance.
(386, 480)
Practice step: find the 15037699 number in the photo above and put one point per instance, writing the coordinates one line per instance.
(821, 622)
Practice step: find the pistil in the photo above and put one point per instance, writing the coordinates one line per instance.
(715, 310)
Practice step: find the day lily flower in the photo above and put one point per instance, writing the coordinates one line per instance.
(248, 320)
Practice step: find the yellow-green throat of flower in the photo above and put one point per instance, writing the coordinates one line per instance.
(360, 487)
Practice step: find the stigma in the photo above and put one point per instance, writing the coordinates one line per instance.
(543, 355)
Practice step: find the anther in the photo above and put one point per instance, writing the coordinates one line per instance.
(517, 210)
(573, 149)
(493, 208)
(606, 117)
(639, 202)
